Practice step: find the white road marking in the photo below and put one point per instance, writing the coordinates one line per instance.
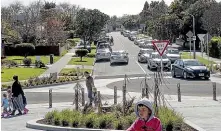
(141, 67)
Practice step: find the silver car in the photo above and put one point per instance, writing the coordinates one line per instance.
(144, 54)
(155, 61)
(103, 54)
(173, 54)
(119, 57)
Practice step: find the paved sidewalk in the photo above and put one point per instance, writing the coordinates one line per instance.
(60, 64)
(201, 111)
(80, 66)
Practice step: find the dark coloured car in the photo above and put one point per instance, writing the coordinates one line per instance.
(189, 68)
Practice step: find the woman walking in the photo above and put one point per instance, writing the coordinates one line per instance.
(17, 99)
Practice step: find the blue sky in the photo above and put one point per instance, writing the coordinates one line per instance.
(110, 7)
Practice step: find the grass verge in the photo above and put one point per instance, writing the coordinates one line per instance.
(85, 61)
(186, 55)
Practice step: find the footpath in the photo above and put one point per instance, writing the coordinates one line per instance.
(200, 112)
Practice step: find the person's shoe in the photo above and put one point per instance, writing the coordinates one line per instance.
(13, 113)
(26, 111)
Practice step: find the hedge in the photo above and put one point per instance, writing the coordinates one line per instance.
(215, 47)
(25, 48)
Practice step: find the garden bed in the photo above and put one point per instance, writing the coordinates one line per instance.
(36, 82)
(73, 72)
(110, 120)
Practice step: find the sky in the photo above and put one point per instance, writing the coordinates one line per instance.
(110, 7)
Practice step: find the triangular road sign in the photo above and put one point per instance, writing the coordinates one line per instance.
(201, 36)
(161, 46)
(209, 37)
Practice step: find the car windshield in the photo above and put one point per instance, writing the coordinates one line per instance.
(192, 63)
(116, 53)
(157, 56)
(173, 51)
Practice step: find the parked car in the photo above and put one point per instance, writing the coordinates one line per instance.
(104, 46)
(119, 57)
(144, 54)
(126, 33)
(154, 62)
(189, 68)
(103, 54)
(81, 45)
(173, 54)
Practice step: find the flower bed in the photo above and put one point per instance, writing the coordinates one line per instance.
(43, 81)
(87, 118)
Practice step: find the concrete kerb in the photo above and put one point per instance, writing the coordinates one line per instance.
(55, 84)
(193, 125)
(34, 125)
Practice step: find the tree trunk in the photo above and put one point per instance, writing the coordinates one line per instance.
(81, 58)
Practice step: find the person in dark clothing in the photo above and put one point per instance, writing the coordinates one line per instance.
(89, 85)
(17, 96)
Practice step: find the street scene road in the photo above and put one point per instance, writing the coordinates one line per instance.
(75, 65)
(104, 70)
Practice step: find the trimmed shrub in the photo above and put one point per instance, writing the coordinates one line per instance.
(215, 47)
(27, 61)
(81, 53)
(91, 55)
(25, 48)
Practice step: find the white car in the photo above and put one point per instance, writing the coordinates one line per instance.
(119, 57)
(103, 54)
(173, 54)
(154, 61)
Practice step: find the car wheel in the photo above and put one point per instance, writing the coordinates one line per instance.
(173, 73)
(206, 78)
(184, 75)
(138, 59)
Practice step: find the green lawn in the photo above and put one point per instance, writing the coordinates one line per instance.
(85, 61)
(22, 73)
(19, 59)
(186, 55)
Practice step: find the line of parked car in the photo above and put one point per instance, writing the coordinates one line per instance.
(105, 52)
(171, 59)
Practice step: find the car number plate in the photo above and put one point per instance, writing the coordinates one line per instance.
(201, 74)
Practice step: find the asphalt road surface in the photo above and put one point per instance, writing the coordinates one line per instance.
(43, 97)
(188, 87)
(133, 69)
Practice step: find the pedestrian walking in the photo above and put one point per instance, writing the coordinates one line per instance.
(89, 85)
(17, 97)
(5, 106)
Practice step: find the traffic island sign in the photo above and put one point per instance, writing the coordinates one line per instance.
(160, 46)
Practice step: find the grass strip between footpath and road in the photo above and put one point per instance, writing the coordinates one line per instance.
(22, 73)
(186, 55)
(85, 61)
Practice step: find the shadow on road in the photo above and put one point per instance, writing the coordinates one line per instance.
(102, 61)
(118, 64)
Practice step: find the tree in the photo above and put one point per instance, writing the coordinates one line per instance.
(89, 23)
(81, 53)
(212, 19)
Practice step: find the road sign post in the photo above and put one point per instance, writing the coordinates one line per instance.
(191, 36)
(161, 46)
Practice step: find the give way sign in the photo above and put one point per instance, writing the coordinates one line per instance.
(160, 46)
